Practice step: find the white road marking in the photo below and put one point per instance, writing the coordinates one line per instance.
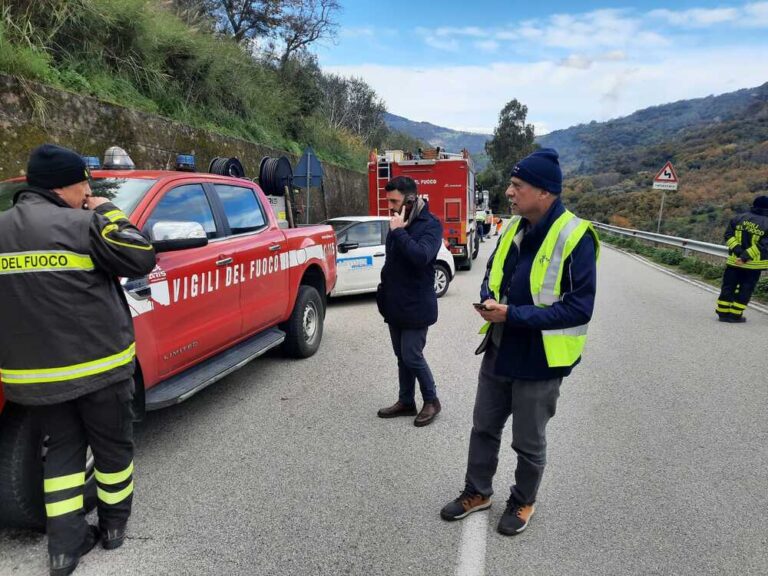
(474, 533)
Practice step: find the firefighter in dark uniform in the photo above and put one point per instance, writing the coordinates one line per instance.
(747, 241)
(67, 343)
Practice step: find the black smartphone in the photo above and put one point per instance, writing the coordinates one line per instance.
(480, 306)
(407, 207)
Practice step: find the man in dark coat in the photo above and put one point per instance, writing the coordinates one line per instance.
(406, 296)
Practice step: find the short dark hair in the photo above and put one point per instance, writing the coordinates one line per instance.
(403, 184)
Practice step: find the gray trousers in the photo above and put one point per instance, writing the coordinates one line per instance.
(531, 403)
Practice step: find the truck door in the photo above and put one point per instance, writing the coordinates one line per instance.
(194, 312)
(260, 250)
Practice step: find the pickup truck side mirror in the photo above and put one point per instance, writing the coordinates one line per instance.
(167, 236)
(345, 247)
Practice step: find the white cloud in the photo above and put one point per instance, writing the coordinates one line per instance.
(748, 15)
(472, 31)
(487, 46)
(360, 32)
(447, 44)
(756, 14)
(577, 61)
(558, 96)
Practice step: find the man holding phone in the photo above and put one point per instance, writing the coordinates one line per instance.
(406, 296)
(537, 299)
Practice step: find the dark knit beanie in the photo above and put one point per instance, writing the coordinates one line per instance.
(52, 166)
(541, 169)
(761, 203)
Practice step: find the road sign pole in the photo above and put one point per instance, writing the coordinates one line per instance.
(661, 211)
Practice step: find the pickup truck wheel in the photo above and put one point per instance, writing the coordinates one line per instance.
(304, 328)
(22, 452)
(442, 279)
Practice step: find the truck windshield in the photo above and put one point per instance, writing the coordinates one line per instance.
(125, 193)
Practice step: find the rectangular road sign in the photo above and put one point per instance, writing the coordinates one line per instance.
(665, 185)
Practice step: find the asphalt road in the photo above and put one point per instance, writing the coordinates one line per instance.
(658, 455)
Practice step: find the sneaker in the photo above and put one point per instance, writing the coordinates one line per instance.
(469, 501)
(515, 518)
(397, 409)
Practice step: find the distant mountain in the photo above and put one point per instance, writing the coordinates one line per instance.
(451, 140)
(718, 146)
(609, 146)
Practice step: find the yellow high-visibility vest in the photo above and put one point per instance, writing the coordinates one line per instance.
(562, 347)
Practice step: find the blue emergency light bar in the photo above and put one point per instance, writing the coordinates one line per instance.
(92, 162)
(185, 162)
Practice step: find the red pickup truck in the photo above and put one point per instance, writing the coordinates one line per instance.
(229, 284)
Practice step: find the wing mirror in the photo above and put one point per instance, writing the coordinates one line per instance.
(168, 236)
(345, 247)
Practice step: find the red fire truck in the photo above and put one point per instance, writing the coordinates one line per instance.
(445, 180)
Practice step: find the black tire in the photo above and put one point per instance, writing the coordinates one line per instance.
(442, 279)
(304, 329)
(476, 248)
(21, 471)
(464, 264)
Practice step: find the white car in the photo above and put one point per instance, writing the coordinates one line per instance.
(361, 252)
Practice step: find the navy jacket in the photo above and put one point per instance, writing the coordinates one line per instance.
(521, 354)
(406, 296)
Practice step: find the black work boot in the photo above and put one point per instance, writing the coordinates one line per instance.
(65, 564)
(397, 409)
(112, 538)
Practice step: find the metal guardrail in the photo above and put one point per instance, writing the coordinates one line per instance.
(685, 243)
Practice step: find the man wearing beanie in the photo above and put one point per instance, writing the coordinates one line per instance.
(67, 343)
(537, 299)
(747, 241)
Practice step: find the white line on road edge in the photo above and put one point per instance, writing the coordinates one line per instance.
(474, 532)
(702, 285)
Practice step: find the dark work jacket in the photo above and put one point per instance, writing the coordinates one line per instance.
(521, 354)
(57, 320)
(406, 296)
(758, 218)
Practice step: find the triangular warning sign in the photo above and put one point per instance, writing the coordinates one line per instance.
(666, 174)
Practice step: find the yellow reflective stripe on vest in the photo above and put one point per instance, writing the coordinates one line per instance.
(64, 482)
(497, 269)
(114, 477)
(44, 261)
(115, 215)
(62, 373)
(750, 264)
(547, 268)
(64, 507)
(114, 497)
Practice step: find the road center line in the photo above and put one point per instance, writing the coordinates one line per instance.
(474, 533)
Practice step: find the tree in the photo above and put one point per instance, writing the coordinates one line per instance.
(249, 19)
(351, 104)
(512, 138)
(305, 22)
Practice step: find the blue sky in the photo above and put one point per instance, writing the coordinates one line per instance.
(569, 62)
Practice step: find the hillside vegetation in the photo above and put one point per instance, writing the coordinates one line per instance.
(145, 55)
(718, 145)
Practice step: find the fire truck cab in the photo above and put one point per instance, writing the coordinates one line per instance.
(445, 180)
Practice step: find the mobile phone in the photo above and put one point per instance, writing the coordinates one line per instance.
(407, 207)
(480, 306)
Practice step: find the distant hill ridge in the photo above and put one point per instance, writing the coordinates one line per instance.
(606, 146)
(451, 140)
